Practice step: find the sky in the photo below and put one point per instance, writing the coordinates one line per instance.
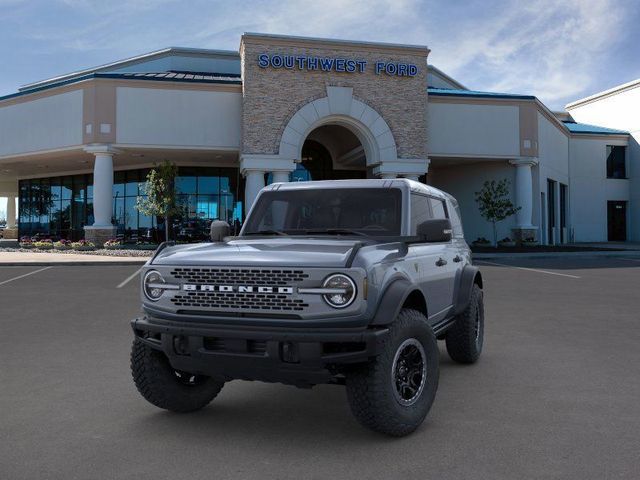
(558, 50)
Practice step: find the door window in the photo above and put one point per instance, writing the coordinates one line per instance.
(438, 208)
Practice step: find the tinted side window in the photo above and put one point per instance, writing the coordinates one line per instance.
(454, 216)
(420, 211)
(438, 208)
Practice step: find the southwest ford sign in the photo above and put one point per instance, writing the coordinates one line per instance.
(331, 64)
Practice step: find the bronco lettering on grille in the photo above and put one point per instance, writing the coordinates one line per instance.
(237, 288)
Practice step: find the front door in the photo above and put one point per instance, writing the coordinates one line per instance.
(617, 221)
(551, 212)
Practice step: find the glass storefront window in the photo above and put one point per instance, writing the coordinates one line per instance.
(118, 184)
(60, 207)
(186, 184)
(67, 188)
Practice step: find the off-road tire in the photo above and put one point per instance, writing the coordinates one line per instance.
(464, 342)
(160, 385)
(371, 387)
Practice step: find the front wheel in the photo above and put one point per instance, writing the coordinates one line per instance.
(163, 386)
(393, 393)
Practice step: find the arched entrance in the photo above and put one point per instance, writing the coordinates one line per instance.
(331, 152)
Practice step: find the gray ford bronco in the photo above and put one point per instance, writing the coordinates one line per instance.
(348, 282)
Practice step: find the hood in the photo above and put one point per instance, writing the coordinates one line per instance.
(288, 252)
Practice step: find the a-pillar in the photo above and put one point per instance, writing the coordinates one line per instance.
(524, 198)
(102, 228)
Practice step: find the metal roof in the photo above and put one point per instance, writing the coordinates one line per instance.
(450, 92)
(132, 61)
(158, 77)
(575, 127)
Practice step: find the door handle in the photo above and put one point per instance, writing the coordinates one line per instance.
(457, 258)
(441, 262)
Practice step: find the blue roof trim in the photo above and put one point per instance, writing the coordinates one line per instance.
(450, 92)
(156, 77)
(575, 127)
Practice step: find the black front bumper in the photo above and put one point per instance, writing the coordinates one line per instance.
(301, 356)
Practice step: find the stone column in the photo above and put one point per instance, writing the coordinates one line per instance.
(410, 168)
(280, 176)
(11, 231)
(524, 197)
(102, 228)
(253, 167)
(11, 211)
(255, 183)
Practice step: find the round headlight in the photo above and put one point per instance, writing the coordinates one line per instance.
(151, 282)
(344, 290)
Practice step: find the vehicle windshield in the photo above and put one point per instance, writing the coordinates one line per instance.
(355, 211)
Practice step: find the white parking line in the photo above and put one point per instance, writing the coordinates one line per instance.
(528, 269)
(129, 278)
(25, 275)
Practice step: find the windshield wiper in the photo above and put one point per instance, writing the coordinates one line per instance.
(267, 232)
(335, 231)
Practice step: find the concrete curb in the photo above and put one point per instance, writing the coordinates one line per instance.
(603, 253)
(117, 263)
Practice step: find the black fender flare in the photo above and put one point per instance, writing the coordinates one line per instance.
(392, 300)
(470, 276)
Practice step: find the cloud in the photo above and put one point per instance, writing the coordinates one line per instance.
(558, 51)
(547, 48)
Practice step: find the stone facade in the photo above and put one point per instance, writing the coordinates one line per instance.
(271, 96)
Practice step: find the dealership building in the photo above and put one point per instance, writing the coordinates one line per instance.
(75, 149)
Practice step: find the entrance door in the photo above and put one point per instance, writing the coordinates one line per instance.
(563, 213)
(617, 221)
(551, 211)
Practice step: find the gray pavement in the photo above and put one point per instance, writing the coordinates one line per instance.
(555, 395)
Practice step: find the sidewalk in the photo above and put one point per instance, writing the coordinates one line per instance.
(634, 254)
(37, 259)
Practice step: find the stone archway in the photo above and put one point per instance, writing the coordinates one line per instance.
(340, 108)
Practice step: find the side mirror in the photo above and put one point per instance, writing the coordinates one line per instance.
(219, 230)
(435, 230)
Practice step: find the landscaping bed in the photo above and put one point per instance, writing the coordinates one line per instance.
(542, 249)
(100, 251)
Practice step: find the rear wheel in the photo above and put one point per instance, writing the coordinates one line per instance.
(165, 387)
(393, 393)
(465, 338)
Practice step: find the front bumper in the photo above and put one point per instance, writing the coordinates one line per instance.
(298, 356)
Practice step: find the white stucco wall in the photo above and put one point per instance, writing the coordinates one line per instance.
(465, 129)
(43, 124)
(462, 181)
(186, 118)
(590, 189)
(553, 158)
(621, 111)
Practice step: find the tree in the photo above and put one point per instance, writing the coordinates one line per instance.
(494, 203)
(160, 198)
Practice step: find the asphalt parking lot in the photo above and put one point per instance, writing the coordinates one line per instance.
(555, 395)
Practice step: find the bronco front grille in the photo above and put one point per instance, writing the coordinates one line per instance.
(239, 276)
(238, 301)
